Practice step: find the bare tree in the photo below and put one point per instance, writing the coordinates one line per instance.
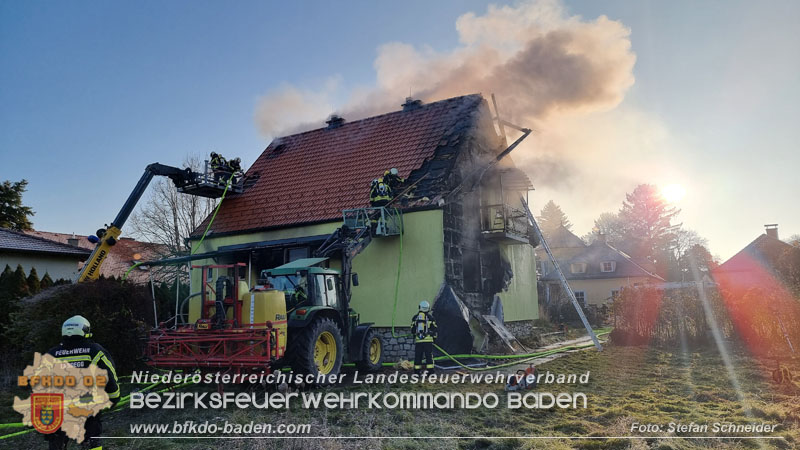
(168, 217)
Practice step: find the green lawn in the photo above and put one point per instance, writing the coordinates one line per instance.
(627, 384)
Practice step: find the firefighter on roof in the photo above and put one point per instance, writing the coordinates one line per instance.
(379, 192)
(392, 178)
(76, 349)
(423, 326)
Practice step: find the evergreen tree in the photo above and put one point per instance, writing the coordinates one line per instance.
(18, 287)
(552, 218)
(649, 231)
(611, 227)
(46, 281)
(34, 286)
(13, 214)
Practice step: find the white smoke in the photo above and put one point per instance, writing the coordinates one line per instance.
(560, 74)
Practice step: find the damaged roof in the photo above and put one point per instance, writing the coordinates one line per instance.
(311, 177)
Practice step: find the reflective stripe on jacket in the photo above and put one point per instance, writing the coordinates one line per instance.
(81, 353)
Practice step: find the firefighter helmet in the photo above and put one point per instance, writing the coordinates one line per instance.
(424, 306)
(76, 326)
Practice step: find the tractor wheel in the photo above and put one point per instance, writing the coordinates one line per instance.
(318, 349)
(372, 353)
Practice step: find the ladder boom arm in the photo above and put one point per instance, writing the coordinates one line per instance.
(108, 237)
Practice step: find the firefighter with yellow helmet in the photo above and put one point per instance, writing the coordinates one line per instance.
(78, 350)
(423, 326)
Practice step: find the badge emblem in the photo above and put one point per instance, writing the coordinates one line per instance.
(47, 412)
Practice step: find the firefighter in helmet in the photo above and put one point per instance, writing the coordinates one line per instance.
(219, 167)
(423, 326)
(379, 192)
(78, 350)
(393, 179)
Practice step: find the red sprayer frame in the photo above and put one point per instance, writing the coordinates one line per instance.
(250, 348)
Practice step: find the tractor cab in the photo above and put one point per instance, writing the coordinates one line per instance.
(321, 324)
(305, 285)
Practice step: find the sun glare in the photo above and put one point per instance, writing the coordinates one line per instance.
(673, 193)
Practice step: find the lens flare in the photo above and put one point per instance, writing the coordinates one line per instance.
(673, 193)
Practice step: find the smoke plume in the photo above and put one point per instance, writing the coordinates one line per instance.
(549, 71)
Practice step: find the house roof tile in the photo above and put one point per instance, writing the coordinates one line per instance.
(16, 241)
(312, 176)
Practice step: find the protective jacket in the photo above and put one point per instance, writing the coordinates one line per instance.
(81, 353)
(423, 326)
(379, 193)
(218, 163)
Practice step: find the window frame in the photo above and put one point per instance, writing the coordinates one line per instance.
(613, 265)
(582, 265)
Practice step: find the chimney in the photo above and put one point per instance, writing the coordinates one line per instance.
(772, 230)
(334, 121)
(73, 240)
(601, 237)
(411, 104)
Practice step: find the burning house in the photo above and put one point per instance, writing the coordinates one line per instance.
(464, 243)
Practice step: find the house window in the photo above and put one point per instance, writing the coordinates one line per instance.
(577, 267)
(293, 254)
(542, 268)
(637, 284)
(608, 266)
(580, 296)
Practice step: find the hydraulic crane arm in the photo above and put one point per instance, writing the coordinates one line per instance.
(107, 237)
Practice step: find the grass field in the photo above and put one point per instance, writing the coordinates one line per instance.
(627, 385)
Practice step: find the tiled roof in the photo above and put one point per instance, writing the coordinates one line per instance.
(561, 237)
(764, 252)
(16, 241)
(120, 258)
(312, 176)
(593, 256)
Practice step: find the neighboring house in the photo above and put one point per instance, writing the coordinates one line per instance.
(595, 272)
(48, 257)
(475, 242)
(755, 265)
(123, 255)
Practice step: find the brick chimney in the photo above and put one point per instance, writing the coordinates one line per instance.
(772, 230)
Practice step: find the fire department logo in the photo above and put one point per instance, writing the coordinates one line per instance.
(62, 396)
(47, 412)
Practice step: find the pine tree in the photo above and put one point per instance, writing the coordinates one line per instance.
(46, 281)
(649, 231)
(13, 214)
(551, 218)
(18, 287)
(34, 286)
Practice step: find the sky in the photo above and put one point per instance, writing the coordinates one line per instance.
(701, 94)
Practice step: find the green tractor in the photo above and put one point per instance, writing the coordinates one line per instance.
(323, 331)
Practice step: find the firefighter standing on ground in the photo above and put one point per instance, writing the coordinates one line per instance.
(424, 328)
(76, 349)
